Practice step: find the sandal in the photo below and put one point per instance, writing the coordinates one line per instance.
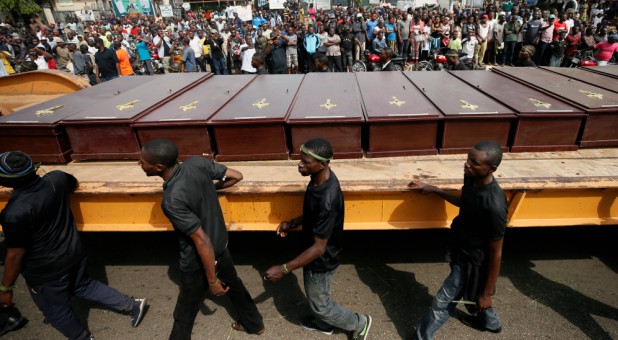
(238, 327)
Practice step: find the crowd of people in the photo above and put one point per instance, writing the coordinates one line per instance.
(295, 40)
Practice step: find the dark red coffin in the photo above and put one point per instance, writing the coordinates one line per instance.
(601, 105)
(328, 106)
(469, 115)
(104, 132)
(401, 120)
(36, 129)
(544, 123)
(183, 119)
(252, 125)
(592, 78)
(609, 70)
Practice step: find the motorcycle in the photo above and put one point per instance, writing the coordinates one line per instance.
(436, 62)
(371, 62)
(157, 64)
(581, 58)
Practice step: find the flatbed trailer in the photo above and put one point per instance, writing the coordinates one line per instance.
(543, 189)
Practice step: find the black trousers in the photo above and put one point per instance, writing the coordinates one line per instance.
(193, 288)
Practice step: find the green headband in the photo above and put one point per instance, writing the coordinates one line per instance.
(312, 154)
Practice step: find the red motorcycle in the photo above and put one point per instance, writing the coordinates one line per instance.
(372, 62)
(581, 58)
(436, 62)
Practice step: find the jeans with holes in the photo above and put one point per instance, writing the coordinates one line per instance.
(326, 311)
(442, 306)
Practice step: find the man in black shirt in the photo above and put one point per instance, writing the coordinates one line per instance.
(44, 246)
(107, 62)
(191, 204)
(218, 58)
(452, 59)
(322, 234)
(276, 50)
(525, 57)
(475, 250)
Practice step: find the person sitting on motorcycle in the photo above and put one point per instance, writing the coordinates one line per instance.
(379, 43)
(452, 58)
(385, 58)
(468, 46)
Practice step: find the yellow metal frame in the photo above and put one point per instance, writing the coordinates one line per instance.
(364, 210)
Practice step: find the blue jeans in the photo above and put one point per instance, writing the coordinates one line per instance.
(53, 298)
(220, 65)
(326, 311)
(442, 306)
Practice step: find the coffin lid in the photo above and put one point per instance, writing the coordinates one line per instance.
(331, 97)
(586, 96)
(200, 102)
(133, 103)
(268, 98)
(521, 98)
(455, 98)
(597, 79)
(609, 70)
(390, 96)
(53, 111)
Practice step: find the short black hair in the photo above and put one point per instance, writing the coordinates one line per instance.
(320, 147)
(162, 151)
(322, 59)
(493, 151)
(259, 59)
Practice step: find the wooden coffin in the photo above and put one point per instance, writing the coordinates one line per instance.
(543, 122)
(36, 129)
(328, 106)
(401, 121)
(609, 70)
(592, 78)
(252, 125)
(600, 105)
(103, 131)
(183, 119)
(469, 115)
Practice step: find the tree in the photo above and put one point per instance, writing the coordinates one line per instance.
(19, 7)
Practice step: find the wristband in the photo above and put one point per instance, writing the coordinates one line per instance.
(214, 283)
(5, 289)
(285, 268)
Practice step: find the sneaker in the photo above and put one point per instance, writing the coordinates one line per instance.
(138, 311)
(362, 335)
(312, 325)
(474, 322)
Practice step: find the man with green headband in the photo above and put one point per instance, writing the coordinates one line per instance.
(322, 234)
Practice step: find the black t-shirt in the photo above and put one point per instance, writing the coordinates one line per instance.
(106, 61)
(323, 213)
(215, 47)
(190, 202)
(460, 67)
(277, 53)
(347, 42)
(39, 218)
(482, 216)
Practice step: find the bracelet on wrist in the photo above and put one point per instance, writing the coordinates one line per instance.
(285, 268)
(5, 289)
(214, 282)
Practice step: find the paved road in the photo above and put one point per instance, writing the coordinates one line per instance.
(556, 283)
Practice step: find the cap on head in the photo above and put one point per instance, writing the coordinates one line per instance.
(16, 164)
(98, 41)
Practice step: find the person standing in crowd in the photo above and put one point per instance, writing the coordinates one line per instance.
(257, 61)
(322, 233)
(547, 33)
(107, 62)
(311, 45)
(511, 29)
(124, 61)
(291, 51)
(188, 56)
(333, 50)
(557, 49)
(215, 41)
(348, 41)
(43, 246)
(143, 55)
(163, 44)
(498, 41)
(190, 203)
(417, 38)
(482, 37)
(359, 28)
(606, 49)
(247, 57)
(276, 50)
(475, 250)
(403, 28)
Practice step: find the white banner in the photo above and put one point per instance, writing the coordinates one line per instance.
(244, 12)
(167, 11)
(322, 4)
(277, 4)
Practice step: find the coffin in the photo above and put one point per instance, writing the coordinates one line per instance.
(610, 70)
(601, 105)
(401, 121)
(469, 115)
(252, 125)
(183, 119)
(104, 132)
(597, 79)
(328, 106)
(36, 129)
(543, 122)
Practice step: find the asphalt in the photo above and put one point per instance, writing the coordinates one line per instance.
(555, 283)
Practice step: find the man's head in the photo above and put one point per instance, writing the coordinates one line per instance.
(16, 169)
(98, 43)
(386, 54)
(315, 155)
(157, 156)
(321, 62)
(483, 159)
(452, 57)
(527, 52)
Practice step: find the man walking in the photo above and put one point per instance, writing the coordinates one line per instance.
(475, 249)
(322, 234)
(190, 202)
(44, 246)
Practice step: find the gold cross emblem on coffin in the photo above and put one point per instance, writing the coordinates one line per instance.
(49, 111)
(262, 103)
(190, 106)
(466, 105)
(539, 103)
(397, 102)
(592, 94)
(127, 106)
(328, 105)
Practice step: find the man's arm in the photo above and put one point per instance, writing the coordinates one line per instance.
(204, 248)
(318, 248)
(231, 178)
(495, 258)
(426, 189)
(12, 269)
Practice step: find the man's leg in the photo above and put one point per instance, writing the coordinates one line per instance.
(248, 315)
(191, 295)
(442, 305)
(87, 288)
(326, 311)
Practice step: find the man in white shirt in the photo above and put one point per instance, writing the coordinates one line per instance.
(159, 41)
(196, 44)
(247, 54)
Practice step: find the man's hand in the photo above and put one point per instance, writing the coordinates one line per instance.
(6, 299)
(274, 273)
(283, 228)
(424, 188)
(217, 289)
(483, 302)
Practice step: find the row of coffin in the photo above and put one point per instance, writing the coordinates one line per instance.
(378, 114)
